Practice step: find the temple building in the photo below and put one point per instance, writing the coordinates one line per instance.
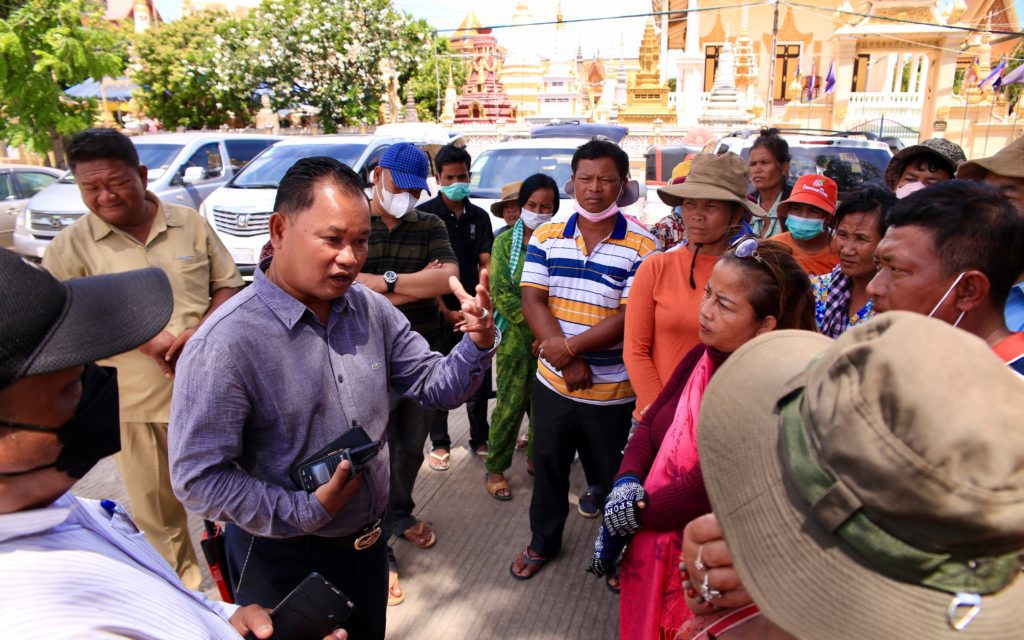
(483, 99)
(522, 74)
(237, 8)
(142, 12)
(462, 39)
(647, 96)
(561, 98)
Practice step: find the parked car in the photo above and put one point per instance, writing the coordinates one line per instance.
(18, 183)
(660, 161)
(544, 153)
(183, 168)
(240, 210)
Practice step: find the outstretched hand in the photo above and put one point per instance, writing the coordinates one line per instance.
(477, 311)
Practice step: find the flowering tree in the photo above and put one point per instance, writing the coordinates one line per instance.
(174, 71)
(322, 53)
(45, 47)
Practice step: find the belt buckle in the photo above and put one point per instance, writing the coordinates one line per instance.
(368, 539)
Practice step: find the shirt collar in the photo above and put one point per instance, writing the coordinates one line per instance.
(165, 217)
(287, 309)
(24, 523)
(618, 233)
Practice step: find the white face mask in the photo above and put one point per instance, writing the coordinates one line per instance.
(396, 204)
(948, 292)
(909, 188)
(533, 220)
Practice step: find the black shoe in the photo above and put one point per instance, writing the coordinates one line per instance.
(589, 504)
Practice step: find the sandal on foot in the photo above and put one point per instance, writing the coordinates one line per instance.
(496, 489)
(420, 535)
(530, 564)
(439, 461)
(522, 442)
(392, 583)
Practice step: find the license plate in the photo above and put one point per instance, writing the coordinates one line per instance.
(242, 256)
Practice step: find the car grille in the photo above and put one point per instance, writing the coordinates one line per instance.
(243, 224)
(44, 225)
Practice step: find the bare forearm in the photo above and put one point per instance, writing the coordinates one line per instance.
(219, 297)
(542, 323)
(428, 283)
(398, 299)
(603, 335)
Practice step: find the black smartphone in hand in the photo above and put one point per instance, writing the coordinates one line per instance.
(311, 611)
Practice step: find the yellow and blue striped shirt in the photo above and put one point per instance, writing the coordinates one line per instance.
(582, 291)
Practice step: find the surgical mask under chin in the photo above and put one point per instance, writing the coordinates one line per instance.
(804, 228)
(533, 220)
(949, 292)
(92, 433)
(396, 204)
(909, 188)
(456, 191)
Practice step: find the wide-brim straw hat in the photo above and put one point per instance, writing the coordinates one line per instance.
(1008, 161)
(713, 177)
(509, 193)
(949, 152)
(921, 425)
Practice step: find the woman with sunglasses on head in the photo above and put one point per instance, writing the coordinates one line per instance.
(661, 315)
(755, 287)
(537, 202)
(841, 298)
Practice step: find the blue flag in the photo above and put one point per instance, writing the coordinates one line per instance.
(996, 73)
(830, 78)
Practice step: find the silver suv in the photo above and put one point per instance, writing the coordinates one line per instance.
(184, 168)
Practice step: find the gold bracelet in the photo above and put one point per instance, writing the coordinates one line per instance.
(566, 341)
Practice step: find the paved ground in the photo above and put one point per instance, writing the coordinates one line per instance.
(461, 587)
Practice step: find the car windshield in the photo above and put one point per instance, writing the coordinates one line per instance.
(157, 158)
(850, 167)
(495, 168)
(266, 170)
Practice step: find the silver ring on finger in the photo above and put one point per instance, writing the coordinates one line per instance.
(698, 563)
(486, 314)
(709, 592)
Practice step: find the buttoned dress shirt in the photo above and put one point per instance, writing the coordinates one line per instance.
(75, 570)
(181, 244)
(263, 385)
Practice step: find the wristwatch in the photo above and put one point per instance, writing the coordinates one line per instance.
(390, 278)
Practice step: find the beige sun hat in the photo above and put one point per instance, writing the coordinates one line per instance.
(509, 193)
(714, 177)
(907, 437)
(1008, 161)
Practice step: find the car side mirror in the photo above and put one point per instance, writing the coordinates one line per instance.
(193, 175)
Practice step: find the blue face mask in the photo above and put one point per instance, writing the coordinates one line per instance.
(456, 191)
(804, 228)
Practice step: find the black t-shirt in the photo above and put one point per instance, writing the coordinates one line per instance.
(470, 235)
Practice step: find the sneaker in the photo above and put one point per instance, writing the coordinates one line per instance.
(589, 505)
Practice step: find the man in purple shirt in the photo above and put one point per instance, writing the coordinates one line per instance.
(287, 367)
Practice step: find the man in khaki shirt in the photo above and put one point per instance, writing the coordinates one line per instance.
(130, 228)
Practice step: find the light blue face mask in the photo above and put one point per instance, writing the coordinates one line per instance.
(456, 191)
(804, 228)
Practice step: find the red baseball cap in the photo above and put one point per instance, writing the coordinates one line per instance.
(815, 190)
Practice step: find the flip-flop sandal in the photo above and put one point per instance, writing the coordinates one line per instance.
(528, 561)
(394, 600)
(420, 535)
(439, 462)
(494, 487)
(522, 442)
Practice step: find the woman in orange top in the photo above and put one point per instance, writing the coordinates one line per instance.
(808, 213)
(661, 313)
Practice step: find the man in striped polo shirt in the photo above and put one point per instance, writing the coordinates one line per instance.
(575, 284)
(409, 261)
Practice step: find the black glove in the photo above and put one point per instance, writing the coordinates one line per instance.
(621, 514)
(607, 549)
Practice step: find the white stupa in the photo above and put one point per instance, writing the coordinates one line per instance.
(725, 106)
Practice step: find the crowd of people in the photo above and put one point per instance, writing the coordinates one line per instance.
(778, 442)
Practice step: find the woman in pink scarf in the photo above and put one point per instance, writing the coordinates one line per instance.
(756, 287)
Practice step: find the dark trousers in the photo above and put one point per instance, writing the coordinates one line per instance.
(476, 409)
(561, 427)
(273, 567)
(408, 426)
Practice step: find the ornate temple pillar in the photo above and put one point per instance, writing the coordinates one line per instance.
(890, 71)
(938, 83)
(690, 70)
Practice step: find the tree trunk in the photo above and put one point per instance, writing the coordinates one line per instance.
(57, 145)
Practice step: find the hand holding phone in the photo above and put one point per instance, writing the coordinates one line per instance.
(312, 611)
(336, 492)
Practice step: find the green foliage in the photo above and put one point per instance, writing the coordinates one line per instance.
(323, 53)
(175, 73)
(430, 78)
(45, 47)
